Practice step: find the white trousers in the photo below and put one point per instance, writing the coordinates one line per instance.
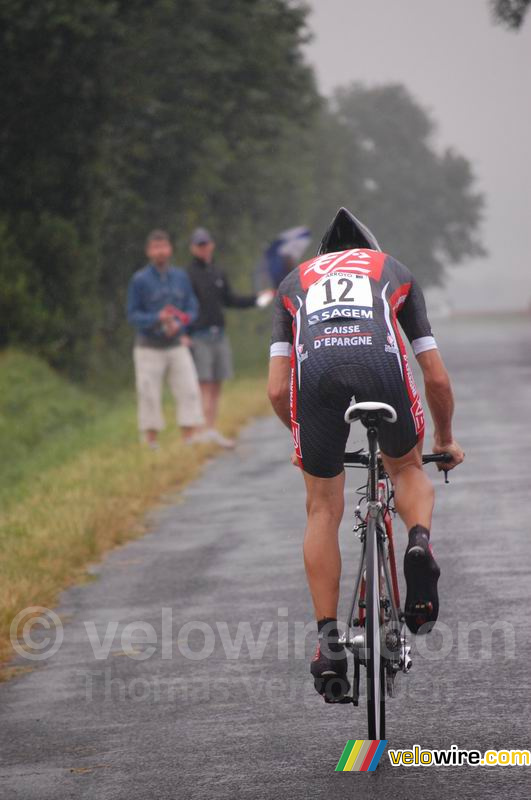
(151, 366)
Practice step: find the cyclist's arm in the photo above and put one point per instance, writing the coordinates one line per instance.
(413, 318)
(439, 395)
(280, 361)
(278, 387)
(440, 399)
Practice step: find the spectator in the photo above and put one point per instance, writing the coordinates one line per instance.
(161, 305)
(210, 345)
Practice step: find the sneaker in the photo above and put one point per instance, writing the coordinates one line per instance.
(199, 437)
(329, 672)
(150, 444)
(422, 574)
(218, 438)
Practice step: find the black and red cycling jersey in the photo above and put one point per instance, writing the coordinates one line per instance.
(338, 316)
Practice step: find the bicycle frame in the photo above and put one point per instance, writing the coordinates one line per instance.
(377, 569)
(379, 511)
(381, 646)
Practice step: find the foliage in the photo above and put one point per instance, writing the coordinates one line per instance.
(511, 12)
(125, 115)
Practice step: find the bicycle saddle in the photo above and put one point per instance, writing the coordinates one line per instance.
(370, 414)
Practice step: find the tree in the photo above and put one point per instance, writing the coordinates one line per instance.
(376, 156)
(55, 98)
(125, 115)
(511, 12)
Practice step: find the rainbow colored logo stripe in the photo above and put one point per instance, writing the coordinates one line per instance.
(361, 755)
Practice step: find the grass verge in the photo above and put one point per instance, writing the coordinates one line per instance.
(89, 493)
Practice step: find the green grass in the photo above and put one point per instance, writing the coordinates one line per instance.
(43, 420)
(74, 481)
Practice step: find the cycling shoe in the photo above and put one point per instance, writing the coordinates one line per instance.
(329, 671)
(422, 574)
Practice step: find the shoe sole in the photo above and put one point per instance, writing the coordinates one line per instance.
(422, 574)
(332, 686)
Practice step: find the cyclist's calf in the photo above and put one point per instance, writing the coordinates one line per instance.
(414, 494)
(322, 559)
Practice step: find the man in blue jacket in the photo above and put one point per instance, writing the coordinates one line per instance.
(161, 305)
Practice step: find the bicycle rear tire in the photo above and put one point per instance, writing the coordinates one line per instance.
(373, 656)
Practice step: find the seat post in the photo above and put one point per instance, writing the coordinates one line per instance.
(372, 436)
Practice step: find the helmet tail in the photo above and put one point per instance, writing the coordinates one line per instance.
(347, 233)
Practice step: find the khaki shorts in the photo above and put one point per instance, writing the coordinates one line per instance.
(151, 366)
(213, 357)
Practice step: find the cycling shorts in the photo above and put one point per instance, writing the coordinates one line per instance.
(319, 403)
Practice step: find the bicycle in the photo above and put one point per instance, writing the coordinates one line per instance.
(381, 645)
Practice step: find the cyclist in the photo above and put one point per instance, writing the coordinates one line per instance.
(336, 337)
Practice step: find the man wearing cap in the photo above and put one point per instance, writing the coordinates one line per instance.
(210, 345)
(161, 305)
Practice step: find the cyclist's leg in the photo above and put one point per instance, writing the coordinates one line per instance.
(322, 434)
(414, 495)
(414, 503)
(322, 559)
(401, 446)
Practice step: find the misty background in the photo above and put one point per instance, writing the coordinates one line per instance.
(473, 76)
(249, 118)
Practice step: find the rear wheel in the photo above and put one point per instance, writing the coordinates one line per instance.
(373, 654)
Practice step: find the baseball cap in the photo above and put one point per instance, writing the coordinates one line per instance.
(201, 236)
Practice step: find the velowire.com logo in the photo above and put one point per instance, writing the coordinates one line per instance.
(361, 755)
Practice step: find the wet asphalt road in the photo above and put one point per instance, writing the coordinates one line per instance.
(200, 717)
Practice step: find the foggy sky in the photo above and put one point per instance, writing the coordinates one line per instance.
(475, 79)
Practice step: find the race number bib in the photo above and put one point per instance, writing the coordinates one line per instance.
(339, 295)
